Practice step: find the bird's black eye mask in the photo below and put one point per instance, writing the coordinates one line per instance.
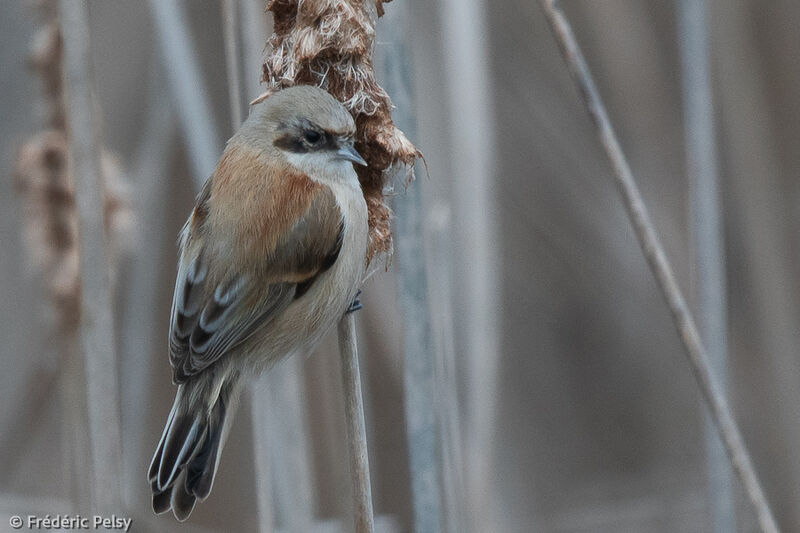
(303, 137)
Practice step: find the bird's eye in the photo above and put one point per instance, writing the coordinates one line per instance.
(312, 136)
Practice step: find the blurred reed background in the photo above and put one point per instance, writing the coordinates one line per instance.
(562, 398)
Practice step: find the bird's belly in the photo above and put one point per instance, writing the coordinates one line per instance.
(304, 321)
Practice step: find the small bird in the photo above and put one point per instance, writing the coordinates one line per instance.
(271, 257)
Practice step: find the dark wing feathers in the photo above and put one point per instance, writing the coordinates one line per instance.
(210, 316)
(323, 265)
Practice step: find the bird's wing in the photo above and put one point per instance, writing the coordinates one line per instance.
(232, 282)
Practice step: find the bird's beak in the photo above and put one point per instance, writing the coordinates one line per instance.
(348, 153)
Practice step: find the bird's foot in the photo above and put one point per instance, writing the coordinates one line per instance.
(356, 305)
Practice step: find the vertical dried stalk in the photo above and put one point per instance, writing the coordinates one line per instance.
(465, 43)
(51, 231)
(142, 296)
(707, 238)
(356, 431)
(183, 73)
(50, 228)
(230, 33)
(254, 35)
(439, 269)
(97, 331)
(422, 410)
(261, 451)
(757, 183)
(287, 440)
(657, 260)
(420, 370)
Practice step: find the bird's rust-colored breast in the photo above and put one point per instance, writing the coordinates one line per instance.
(255, 199)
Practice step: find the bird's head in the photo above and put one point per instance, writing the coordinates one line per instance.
(309, 127)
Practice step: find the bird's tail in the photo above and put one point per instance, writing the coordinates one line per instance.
(183, 467)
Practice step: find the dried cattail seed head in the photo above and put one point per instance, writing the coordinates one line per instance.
(329, 43)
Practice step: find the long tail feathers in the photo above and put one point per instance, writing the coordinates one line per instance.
(183, 467)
